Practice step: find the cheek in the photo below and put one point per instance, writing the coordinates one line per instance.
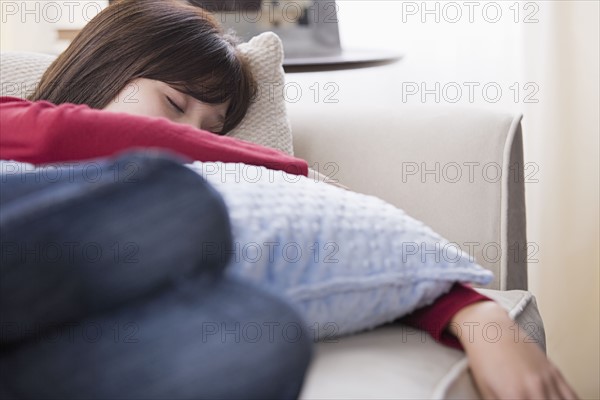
(137, 102)
(146, 108)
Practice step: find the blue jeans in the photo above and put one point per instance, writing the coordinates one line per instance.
(106, 292)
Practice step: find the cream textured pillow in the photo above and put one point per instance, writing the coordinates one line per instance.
(20, 72)
(266, 122)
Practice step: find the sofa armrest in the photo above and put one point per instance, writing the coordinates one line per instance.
(459, 170)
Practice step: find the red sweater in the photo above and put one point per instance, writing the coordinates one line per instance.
(435, 317)
(41, 132)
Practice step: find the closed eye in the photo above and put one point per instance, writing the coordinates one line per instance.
(175, 106)
(217, 130)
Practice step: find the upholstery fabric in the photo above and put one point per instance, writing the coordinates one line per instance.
(409, 156)
(399, 362)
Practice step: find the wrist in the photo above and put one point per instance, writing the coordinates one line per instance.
(477, 315)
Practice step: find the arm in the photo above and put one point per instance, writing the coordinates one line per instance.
(41, 132)
(457, 318)
(435, 317)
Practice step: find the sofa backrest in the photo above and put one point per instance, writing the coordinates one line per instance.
(459, 170)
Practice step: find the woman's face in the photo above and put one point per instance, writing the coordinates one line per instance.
(157, 99)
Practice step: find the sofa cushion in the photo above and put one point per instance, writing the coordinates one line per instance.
(396, 361)
(399, 153)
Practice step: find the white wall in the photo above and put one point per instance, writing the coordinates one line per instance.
(563, 135)
(557, 55)
(33, 25)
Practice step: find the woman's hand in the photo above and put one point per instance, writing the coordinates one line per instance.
(506, 366)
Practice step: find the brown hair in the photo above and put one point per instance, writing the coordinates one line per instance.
(165, 40)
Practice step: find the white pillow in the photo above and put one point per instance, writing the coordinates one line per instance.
(266, 122)
(20, 72)
(347, 260)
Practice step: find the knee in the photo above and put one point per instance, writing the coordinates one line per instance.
(195, 219)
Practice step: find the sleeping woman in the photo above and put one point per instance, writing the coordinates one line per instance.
(162, 74)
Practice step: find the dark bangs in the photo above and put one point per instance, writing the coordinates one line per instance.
(230, 81)
(165, 40)
(199, 59)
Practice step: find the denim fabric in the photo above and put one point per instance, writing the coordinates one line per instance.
(106, 290)
(101, 234)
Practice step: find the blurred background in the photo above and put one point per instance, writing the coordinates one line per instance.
(538, 58)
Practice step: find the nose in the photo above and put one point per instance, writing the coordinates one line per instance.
(193, 119)
(205, 117)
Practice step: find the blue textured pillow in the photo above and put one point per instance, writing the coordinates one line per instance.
(348, 261)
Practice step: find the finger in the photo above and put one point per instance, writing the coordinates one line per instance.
(541, 386)
(553, 391)
(552, 384)
(564, 388)
(550, 389)
(484, 390)
(566, 391)
(486, 393)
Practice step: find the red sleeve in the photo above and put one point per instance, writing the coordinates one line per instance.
(41, 132)
(435, 317)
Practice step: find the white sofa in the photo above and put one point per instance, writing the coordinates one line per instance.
(382, 152)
